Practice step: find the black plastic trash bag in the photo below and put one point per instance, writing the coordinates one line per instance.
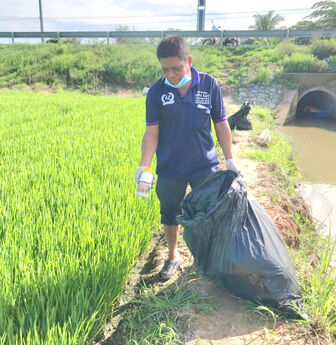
(241, 119)
(233, 239)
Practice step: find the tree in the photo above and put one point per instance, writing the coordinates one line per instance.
(325, 14)
(304, 25)
(173, 29)
(266, 22)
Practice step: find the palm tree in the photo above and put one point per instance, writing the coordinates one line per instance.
(266, 22)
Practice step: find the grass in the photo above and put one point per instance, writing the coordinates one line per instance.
(158, 318)
(85, 68)
(318, 282)
(262, 76)
(97, 69)
(311, 258)
(319, 292)
(279, 154)
(71, 226)
(68, 209)
(90, 69)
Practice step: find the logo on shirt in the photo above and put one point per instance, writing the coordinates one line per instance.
(201, 106)
(202, 97)
(167, 98)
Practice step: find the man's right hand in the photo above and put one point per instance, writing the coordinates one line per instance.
(139, 172)
(231, 165)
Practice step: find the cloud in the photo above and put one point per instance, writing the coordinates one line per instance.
(65, 15)
(160, 8)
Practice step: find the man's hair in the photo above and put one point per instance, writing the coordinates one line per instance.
(173, 46)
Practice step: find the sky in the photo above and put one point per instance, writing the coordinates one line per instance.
(108, 15)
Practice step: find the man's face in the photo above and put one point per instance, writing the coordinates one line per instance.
(174, 68)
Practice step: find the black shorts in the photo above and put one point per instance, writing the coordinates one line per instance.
(171, 194)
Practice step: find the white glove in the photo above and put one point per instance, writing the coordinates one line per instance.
(231, 165)
(139, 172)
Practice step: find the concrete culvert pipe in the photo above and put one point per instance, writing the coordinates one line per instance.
(316, 104)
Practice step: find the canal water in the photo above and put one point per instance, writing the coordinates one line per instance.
(314, 143)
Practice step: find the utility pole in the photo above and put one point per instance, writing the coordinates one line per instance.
(200, 15)
(41, 21)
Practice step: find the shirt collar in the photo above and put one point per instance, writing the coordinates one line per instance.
(195, 76)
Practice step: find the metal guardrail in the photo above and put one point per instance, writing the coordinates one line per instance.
(160, 34)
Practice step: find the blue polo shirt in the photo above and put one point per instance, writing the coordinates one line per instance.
(186, 148)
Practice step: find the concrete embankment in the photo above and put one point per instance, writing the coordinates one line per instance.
(321, 199)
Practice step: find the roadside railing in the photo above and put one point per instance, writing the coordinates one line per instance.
(285, 34)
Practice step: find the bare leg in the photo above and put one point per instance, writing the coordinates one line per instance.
(171, 237)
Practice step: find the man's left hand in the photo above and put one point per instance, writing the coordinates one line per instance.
(231, 165)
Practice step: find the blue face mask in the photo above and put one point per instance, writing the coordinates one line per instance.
(183, 81)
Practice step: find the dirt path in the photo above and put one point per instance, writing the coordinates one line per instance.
(230, 322)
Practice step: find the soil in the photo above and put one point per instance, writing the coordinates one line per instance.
(230, 322)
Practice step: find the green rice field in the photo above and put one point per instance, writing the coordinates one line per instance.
(71, 226)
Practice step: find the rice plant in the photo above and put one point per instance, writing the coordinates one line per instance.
(71, 225)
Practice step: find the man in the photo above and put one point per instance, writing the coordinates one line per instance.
(179, 107)
(214, 27)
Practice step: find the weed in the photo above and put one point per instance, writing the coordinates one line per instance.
(157, 319)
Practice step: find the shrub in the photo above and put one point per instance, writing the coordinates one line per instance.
(285, 48)
(332, 63)
(324, 48)
(300, 62)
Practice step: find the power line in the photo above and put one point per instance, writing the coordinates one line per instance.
(188, 18)
(263, 11)
(160, 15)
(126, 23)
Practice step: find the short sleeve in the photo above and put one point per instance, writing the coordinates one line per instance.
(218, 113)
(153, 108)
